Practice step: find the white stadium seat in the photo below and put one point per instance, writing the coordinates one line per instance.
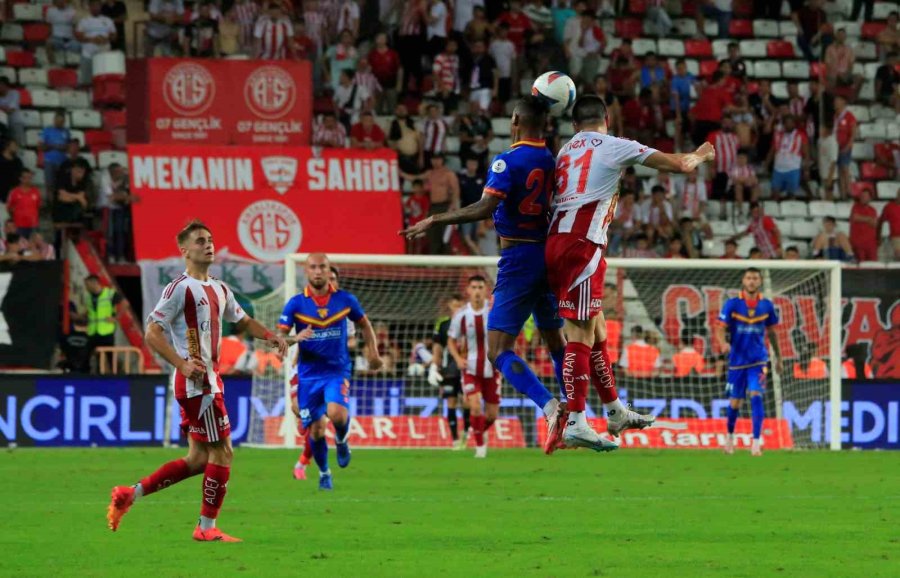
(753, 48)
(787, 29)
(107, 158)
(842, 209)
(722, 228)
(43, 98)
(862, 151)
(29, 158)
(32, 137)
(77, 135)
(12, 33)
(671, 48)
(795, 69)
(779, 89)
(860, 112)
(2, 54)
(818, 209)
(685, 27)
(501, 126)
(28, 12)
(111, 62)
(875, 130)
(881, 10)
(31, 118)
(772, 209)
(794, 209)
(452, 144)
(86, 119)
(766, 69)
(33, 76)
(711, 28)
(853, 29)
(887, 190)
(805, 229)
(9, 73)
(720, 48)
(865, 50)
(73, 99)
(765, 29)
(642, 46)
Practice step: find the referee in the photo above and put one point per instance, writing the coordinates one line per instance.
(444, 373)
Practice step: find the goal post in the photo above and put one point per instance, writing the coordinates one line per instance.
(674, 303)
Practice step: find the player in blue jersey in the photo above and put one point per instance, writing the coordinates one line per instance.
(320, 317)
(748, 317)
(517, 194)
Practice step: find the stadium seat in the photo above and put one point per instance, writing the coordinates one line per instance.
(33, 77)
(2, 54)
(637, 6)
(31, 118)
(685, 27)
(8, 73)
(116, 119)
(779, 89)
(11, 33)
(794, 209)
(871, 29)
(43, 98)
(109, 90)
(711, 28)
(63, 77)
(713, 248)
(90, 158)
(708, 67)
(881, 10)
(28, 12)
(98, 137)
(865, 50)
(766, 69)
(819, 209)
(779, 49)
(671, 48)
(29, 159)
(817, 70)
(873, 130)
(36, 32)
(629, 28)
(501, 126)
(869, 171)
(803, 229)
(452, 144)
(860, 112)
(786, 227)
(842, 208)
(772, 209)
(77, 135)
(765, 28)
(720, 48)
(741, 28)
(893, 131)
(853, 29)
(753, 48)
(695, 48)
(642, 46)
(722, 228)
(20, 59)
(71, 99)
(498, 145)
(795, 69)
(108, 63)
(88, 119)
(32, 138)
(787, 29)
(862, 151)
(887, 190)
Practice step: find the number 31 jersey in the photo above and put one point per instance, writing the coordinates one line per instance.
(522, 178)
(588, 171)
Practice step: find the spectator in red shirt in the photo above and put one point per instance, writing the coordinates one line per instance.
(845, 131)
(366, 134)
(765, 232)
(712, 103)
(864, 228)
(385, 65)
(416, 207)
(520, 25)
(891, 215)
(24, 203)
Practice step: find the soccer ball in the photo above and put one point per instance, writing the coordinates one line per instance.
(557, 90)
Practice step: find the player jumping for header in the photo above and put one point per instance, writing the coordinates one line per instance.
(320, 317)
(747, 317)
(191, 311)
(588, 171)
(517, 194)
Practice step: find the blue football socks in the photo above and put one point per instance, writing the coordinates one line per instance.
(757, 412)
(517, 373)
(320, 453)
(732, 418)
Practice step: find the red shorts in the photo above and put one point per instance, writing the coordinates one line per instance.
(488, 387)
(865, 252)
(210, 426)
(576, 269)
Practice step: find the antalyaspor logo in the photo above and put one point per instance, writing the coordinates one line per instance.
(189, 88)
(269, 230)
(270, 92)
(280, 172)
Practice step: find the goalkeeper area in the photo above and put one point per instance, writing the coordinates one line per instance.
(430, 513)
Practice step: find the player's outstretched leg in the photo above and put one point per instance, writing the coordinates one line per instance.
(320, 453)
(757, 413)
(734, 408)
(340, 419)
(215, 486)
(556, 343)
(304, 459)
(123, 497)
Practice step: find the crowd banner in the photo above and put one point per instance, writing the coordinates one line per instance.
(263, 203)
(29, 313)
(236, 102)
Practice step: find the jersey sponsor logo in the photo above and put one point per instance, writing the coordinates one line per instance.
(204, 326)
(189, 88)
(269, 230)
(270, 92)
(280, 172)
(596, 303)
(325, 334)
(193, 343)
(199, 430)
(563, 304)
(499, 166)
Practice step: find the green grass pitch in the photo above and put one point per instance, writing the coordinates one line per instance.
(430, 513)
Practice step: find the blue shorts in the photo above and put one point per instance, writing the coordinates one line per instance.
(788, 181)
(844, 158)
(522, 290)
(314, 395)
(744, 379)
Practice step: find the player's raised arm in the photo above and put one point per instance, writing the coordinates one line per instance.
(681, 163)
(477, 211)
(370, 343)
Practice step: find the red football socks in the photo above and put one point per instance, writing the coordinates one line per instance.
(576, 374)
(478, 428)
(602, 375)
(306, 456)
(170, 473)
(215, 481)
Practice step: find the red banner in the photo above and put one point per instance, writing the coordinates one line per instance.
(263, 203)
(695, 434)
(221, 101)
(409, 432)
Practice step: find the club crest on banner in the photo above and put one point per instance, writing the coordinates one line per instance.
(189, 89)
(269, 230)
(270, 92)
(280, 172)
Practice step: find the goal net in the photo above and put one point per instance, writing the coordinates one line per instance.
(661, 312)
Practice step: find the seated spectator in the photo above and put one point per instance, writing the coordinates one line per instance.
(830, 243)
(664, 180)
(640, 358)
(484, 80)
(201, 37)
(765, 232)
(41, 249)
(24, 204)
(448, 101)
(9, 103)
(791, 253)
(503, 51)
(731, 248)
(71, 198)
(692, 233)
(116, 11)
(755, 253)
(890, 214)
(475, 135)
(688, 360)
(827, 159)
(652, 72)
(471, 188)
(888, 38)
(416, 207)
(676, 249)
(385, 65)
(10, 168)
(95, 33)
(407, 141)
(658, 18)
(625, 51)
(54, 142)
(583, 44)
(839, 61)
(887, 82)
(864, 228)
(162, 30)
(366, 80)
(117, 200)
(15, 249)
(350, 99)
(813, 30)
(61, 18)
(743, 180)
(366, 134)
(658, 216)
(690, 197)
(274, 35)
(329, 132)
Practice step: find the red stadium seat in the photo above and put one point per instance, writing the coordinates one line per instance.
(817, 70)
(885, 151)
(24, 97)
(96, 138)
(63, 77)
(871, 29)
(708, 67)
(637, 7)
(697, 48)
(857, 187)
(109, 90)
(113, 119)
(36, 32)
(779, 49)
(741, 28)
(20, 59)
(869, 171)
(629, 28)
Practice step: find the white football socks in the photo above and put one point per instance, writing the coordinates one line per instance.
(579, 418)
(138, 491)
(207, 523)
(550, 408)
(614, 407)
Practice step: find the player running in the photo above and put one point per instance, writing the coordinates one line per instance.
(444, 372)
(747, 317)
(191, 311)
(334, 277)
(480, 381)
(588, 170)
(517, 194)
(320, 317)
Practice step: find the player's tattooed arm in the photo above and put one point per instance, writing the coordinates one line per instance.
(260, 331)
(477, 211)
(156, 338)
(371, 344)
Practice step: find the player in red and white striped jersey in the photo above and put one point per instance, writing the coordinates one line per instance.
(185, 329)
(588, 171)
(273, 34)
(480, 381)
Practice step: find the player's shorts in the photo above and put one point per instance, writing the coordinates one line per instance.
(204, 422)
(314, 395)
(745, 379)
(451, 387)
(488, 387)
(576, 268)
(522, 291)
